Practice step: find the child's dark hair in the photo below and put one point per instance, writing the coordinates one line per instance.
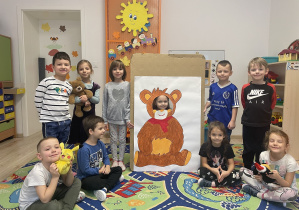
(90, 122)
(224, 63)
(42, 140)
(61, 56)
(84, 61)
(225, 143)
(278, 133)
(155, 107)
(117, 64)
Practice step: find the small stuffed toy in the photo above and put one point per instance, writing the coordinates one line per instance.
(79, 90)
(263, 169)
(67, 155)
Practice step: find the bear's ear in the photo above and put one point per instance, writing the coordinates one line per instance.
(79, 78)
(145, 95)
(176, 95)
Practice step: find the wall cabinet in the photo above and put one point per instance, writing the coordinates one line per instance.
(287, 90)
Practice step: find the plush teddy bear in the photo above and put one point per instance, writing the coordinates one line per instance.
(64, 162)
(79, 90)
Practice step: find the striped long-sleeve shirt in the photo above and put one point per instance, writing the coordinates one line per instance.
(51, 100)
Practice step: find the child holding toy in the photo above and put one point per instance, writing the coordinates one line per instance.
(258, 99)
(223, 98)
(51, 100)
(217, 158)
(41, 189)
(91, 156)
(77, 133)
(284, 188)
(116, 110)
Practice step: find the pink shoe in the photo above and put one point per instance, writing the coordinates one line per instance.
(114, 164)
(122, 165)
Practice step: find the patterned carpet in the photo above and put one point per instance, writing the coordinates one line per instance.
(154, 190)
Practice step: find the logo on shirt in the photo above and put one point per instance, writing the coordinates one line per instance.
(225, 95)
(255, 94)
(60, 90)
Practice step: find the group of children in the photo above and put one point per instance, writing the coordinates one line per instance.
(261, 145)
(45, 188)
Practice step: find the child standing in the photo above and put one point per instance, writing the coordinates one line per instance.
(258, 99)
(77, 133)
(116, 110)
(91, 155)
(217, 159)
(223, 98)
(51, 100)
(285, 166)
(41, 189)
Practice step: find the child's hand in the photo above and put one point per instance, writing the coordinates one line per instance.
(54, 170)
(223, 174)
(106, 126)
(83, 98)
(107, 169)
(231, 125)
(274, 175)
(130, 125)
(216, 172)
(204, 110)
(102, 170)
(258, 177)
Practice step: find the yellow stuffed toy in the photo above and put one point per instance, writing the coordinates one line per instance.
(67, 155)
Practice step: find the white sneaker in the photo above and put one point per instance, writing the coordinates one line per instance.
(115, 163)
(121, 178)
(100, 194)
(122, 165)
(81, 196)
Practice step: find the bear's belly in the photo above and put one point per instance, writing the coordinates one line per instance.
(161, 146)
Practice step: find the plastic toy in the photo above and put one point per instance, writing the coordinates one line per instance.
(276, 119)
(279, 101)
(272, 77)
(67, 155)
(264, 170)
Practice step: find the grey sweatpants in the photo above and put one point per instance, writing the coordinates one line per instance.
(118, 133)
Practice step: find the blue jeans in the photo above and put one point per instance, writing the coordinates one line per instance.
(59, 130)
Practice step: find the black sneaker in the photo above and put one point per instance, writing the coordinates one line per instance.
(249, 190)
(204, 183)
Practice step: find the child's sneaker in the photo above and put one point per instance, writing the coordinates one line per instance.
(100, 194)
(115, 163)
(249, 190)
(81, 196)
(204, 183)
(122, 165)
(121, 178)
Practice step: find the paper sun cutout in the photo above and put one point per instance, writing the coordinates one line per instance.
(46, 27)
(134, 17)
(126, 61)
(161, 138)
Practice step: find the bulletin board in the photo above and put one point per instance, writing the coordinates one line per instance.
(123, 39)
(5, 59)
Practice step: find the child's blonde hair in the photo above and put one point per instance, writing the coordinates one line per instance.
(278, 133)
(258, 61)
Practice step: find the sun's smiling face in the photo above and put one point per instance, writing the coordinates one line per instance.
(134, 17)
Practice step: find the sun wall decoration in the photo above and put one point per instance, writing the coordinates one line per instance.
(134, 17)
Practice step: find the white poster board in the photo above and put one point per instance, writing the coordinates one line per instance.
(187, 113)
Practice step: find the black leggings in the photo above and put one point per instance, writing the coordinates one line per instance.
(230, 180)
(100, 181)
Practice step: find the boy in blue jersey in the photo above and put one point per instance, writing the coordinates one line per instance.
(223, 98)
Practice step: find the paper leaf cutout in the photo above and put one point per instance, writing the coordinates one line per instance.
(46, 27)
(126, 61)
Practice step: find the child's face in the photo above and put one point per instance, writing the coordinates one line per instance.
(223, 72)
(162, 102)
(217, 137)
(61, 68)
(84, 71)
(49, 151)
(277, 144)
(99, 131)
(117, 73)
(257, 72)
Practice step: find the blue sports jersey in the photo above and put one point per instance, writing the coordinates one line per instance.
(222, 99)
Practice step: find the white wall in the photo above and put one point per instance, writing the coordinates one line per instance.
(239, 27)
(283, 25)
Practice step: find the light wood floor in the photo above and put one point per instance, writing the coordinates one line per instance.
(16, 152)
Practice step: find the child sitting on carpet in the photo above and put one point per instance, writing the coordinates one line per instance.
(217, 159)
(284, 168)
(41, 189)
(91, 155)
